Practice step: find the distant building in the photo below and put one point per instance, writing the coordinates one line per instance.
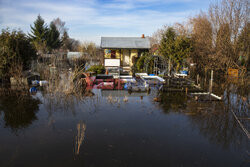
(74, 55)
(123, 51)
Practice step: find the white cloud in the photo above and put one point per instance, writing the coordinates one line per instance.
(120, 16)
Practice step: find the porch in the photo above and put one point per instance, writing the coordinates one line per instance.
(123, 58)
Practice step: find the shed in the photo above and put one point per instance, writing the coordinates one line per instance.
(123, 51)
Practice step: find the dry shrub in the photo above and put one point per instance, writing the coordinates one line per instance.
(18, 80)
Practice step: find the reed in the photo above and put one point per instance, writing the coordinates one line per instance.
(79, 138)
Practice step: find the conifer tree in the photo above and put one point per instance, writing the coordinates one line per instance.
(183, 49)
(39, 33)
(244, 45)
(175, 47)
(53, 38)
(167, 46)
(66, 44)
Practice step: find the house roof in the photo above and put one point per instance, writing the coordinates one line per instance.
(125, 43)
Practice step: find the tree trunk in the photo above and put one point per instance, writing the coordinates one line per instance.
(169, 66)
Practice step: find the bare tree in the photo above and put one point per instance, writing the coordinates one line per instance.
(231, 13)
(224, 47)
(183, 29)
(89, 49)
(220, 36)
(60, 25)
(216, 34)
(157, 36)
(202, 40)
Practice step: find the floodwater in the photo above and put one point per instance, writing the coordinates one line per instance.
(114, 128)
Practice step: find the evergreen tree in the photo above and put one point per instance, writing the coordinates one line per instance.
(53, 38)
(183, 48)
(167, 46)
(244, 45)
(174, 47)
(39, 33)
(66, 44)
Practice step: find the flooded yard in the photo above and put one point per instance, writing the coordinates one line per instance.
(115, 128)
(124, 83)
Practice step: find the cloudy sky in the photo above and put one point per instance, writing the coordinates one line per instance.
(91, 19)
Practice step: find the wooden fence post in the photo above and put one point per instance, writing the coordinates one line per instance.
(211, 82)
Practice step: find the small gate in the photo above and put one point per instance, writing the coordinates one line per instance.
(159, 64)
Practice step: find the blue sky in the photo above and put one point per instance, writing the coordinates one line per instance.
(88, 20)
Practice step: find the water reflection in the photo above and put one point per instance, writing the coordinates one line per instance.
(172, 101)
(213, 118)
(79, 137)
(217, 124)
(237, 101)
(18, 108)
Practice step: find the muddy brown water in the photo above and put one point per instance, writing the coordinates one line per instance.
(114, 128)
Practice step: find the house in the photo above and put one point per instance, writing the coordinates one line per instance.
(123, 51)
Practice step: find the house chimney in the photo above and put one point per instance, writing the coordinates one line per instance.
(142, 36)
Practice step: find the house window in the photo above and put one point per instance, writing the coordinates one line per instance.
(107, 53)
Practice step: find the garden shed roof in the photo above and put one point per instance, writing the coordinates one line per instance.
(125, 43)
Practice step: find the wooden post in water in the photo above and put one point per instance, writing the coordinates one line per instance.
(205, 82)
(211, 82)
(197, 78)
